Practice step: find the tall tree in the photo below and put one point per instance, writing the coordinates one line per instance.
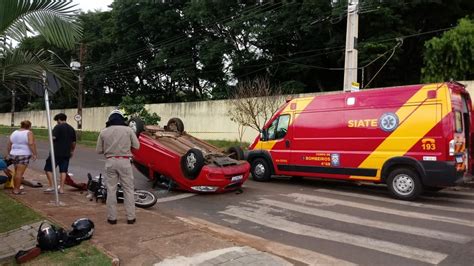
(185, 50)
(52, 19)
(451, 55)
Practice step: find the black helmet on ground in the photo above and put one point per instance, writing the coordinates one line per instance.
(82, 229)
(47, 237)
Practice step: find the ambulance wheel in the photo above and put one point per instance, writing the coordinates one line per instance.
(404, 184)
(175, 124)
(260, 170)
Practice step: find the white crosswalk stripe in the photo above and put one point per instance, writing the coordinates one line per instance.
(399, 202)
(385, 226)
(466, 201)
(262, 217)
(455, 193)
(176, 197)
(303, 198)
(367, 222)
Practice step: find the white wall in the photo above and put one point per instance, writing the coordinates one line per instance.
(206, 120)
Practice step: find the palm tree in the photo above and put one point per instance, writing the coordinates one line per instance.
(55, 20)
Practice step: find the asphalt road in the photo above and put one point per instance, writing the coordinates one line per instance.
(355, 223)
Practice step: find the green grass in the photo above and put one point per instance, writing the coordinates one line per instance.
(225, 144)
(6, 130)
(83, 254)
(15, 214)
(88, 138)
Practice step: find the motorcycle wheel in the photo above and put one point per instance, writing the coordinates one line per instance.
(144, 199)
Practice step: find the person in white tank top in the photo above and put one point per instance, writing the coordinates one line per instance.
(21, 148)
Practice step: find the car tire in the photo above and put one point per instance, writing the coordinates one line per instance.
(404, 184)
(236, 153)
(192, 163)
(260, 170)
(137, 125)
(175, 124)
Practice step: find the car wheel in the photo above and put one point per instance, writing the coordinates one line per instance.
(260, 170)
(192, 163)
(175, 124)
(404, 184)
(236, 153)
(137, 125)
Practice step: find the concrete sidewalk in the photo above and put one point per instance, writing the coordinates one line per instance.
(156, 237)
(23, 238)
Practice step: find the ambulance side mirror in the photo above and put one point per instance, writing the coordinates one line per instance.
(263, 135)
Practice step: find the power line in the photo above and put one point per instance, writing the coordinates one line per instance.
(174, 42)
(341, 68)
(134, 68)
(381, 40)
(119, 77)
(185, 56)
(388, 59)
(183, 37)
(120, 74)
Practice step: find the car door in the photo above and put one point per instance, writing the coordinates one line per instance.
(277, 140)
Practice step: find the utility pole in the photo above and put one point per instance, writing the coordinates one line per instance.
(80, 90)
(352, 32)
(13, 107)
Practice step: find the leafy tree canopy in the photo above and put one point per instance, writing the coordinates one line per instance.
(54, 21)
(186, 50)
(136, 107)
(451, 55)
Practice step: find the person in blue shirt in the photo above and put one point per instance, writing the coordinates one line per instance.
(3, 166)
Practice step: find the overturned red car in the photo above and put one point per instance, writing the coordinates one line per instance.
(172, 158)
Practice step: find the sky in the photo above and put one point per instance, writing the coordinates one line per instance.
(91, 5)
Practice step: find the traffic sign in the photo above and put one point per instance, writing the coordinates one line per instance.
(355, 86)
(77, 117)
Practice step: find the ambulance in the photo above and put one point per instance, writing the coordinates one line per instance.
(412, 138)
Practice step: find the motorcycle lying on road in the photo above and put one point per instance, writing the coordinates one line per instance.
(97, 189)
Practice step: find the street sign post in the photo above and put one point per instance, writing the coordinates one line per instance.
(50, 133)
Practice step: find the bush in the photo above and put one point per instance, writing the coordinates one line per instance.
(136, 107)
